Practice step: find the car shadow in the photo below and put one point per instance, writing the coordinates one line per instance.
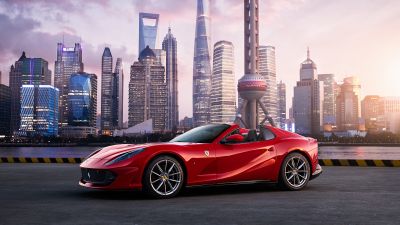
(186, 192)
(229, 189)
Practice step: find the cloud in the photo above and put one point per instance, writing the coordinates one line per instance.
(22, 35)
(64, 5)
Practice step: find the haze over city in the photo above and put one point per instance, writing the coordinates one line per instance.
(223, 111)
(358, 38)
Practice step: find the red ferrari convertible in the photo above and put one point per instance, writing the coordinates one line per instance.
(211, 154)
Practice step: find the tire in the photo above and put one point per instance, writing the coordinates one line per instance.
(295, 172)
(163, 178)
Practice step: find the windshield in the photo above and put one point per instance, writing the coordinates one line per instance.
(203, 134)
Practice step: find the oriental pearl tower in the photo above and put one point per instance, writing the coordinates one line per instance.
(251, 86)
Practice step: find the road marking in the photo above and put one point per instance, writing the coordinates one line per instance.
(379, 163)
(344, 162)
(327, 162)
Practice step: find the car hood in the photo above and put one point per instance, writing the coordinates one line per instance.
(114, 150)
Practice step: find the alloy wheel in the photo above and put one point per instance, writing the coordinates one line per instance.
(166, 177)
(297, 171)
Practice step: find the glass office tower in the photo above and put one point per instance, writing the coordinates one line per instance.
(5, 110)
(25, 71)
(69, 61)
(267, 69)
(107, 114)
(170, 47)
(202, 65)
(329, 105)
(223, 90)
(148, 91)
(308, 99)
(119, 79)
(82, 100)
(39, 111)
(148, 27)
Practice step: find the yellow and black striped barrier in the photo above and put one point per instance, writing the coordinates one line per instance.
(359, 162)
(39, 160)
(322, 162)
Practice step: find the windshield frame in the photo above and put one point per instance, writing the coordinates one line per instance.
(187, 135)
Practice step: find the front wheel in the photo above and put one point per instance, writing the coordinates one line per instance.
(295, 172)
(163, 178)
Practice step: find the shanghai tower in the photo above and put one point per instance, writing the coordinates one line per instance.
(202, 65)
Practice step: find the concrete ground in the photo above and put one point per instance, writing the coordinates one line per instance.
(49, 194)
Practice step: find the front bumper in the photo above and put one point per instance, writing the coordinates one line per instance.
(111, 179)
(317, 172)
(97, 177)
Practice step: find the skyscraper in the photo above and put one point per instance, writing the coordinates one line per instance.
(148, 28)
(348, 110)
(39, 111)
(308, 99)
(148, 91)
(223, 91)
(119, 78)
(170, 47)
(202, 65)
(5, 110)
(267, 69)
(281, 104)
(391, 110)
(372, 111)
(69, 61)
(26, 71)
(161, 56)
(107, 80)
(329, 103)
(82, 104)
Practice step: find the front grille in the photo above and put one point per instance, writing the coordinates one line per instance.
(97, 177)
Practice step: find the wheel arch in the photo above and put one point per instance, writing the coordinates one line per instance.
(302, 152)
(170, 154)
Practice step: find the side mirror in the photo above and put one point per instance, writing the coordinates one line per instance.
(235, 138)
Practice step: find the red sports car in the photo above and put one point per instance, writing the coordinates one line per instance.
(206, 155)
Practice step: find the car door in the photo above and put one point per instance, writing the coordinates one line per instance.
(245, 161)
(201, 164)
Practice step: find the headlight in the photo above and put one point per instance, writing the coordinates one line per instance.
(124, 156)
(92, 154)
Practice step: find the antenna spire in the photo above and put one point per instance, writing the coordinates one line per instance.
(308, 52)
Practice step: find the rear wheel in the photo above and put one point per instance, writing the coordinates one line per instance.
(163, 177)
(295, 172)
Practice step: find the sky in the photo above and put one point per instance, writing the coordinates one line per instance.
(346, 38)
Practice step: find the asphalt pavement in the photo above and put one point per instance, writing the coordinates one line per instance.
(49, 194)
(325, 152)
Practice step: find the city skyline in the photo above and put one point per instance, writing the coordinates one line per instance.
(374, 22)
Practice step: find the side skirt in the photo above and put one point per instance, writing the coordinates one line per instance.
(233, 183)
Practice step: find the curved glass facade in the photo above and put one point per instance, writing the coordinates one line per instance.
(223, 90)
(81, 100)
(202, 65)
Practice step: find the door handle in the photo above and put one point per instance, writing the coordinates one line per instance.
(270, 149)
